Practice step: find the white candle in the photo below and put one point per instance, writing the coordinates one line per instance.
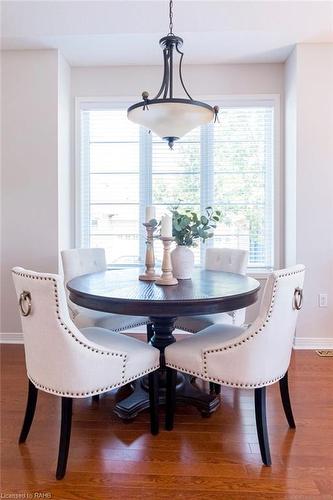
(150, 214)
(166, 226)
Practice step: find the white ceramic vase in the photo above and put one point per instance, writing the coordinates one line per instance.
(182, 259)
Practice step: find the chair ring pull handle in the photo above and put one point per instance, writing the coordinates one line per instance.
(298, 298)
(25, 303)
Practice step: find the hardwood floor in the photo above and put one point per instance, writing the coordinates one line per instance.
(203, 458)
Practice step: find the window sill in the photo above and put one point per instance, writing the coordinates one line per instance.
(259, 273)
(254, 273)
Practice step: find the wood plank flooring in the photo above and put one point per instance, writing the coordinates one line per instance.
(203, 458)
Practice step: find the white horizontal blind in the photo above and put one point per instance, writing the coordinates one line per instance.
(239, 161)
(176, 177)
(111, 167)
(228, 165)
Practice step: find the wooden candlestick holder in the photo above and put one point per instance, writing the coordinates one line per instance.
(149, 274)
(167, 277)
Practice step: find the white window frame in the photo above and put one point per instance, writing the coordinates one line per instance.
(273, 100)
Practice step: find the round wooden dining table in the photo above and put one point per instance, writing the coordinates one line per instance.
(120, 291)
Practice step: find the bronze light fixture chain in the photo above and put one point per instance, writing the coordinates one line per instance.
(170, 18)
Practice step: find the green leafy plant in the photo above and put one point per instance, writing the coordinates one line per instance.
(188, 226)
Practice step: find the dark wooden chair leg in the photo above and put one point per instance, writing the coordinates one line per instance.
(150, 332)
(29, 412)
(260, 408)
(95, 398)
(153, 379)
(170, 402)
(65, 436)
(214, 388)
(284, 391)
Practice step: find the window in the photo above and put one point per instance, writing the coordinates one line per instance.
(110, 188)
(228, 165)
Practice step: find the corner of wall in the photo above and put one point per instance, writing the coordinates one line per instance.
(290, 154)
(65, 160)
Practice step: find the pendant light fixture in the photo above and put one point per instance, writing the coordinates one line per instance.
(168, 116)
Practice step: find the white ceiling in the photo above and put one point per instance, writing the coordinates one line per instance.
(94, 33)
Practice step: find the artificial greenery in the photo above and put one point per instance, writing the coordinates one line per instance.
(188, 226)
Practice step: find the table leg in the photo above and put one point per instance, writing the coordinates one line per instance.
(162, 328)
(186, 392)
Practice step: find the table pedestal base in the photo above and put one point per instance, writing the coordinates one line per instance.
(186, 393)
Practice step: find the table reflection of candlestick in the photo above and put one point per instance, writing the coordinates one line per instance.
(167, 277)
(149, 274)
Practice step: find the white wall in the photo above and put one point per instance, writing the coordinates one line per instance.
(30, 151)
(200, 80)
(309, 176)
(29, 169)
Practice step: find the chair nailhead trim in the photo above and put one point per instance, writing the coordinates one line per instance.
(98, 351)
(181, 327)
(223, 382)
(133, 325)
(190, 372)
(95, 391)
(205, 376)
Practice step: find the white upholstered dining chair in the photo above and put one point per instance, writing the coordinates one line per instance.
(246, 358)
(78, 261)
(69, 363)
(230, 260)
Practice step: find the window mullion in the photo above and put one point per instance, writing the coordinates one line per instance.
(84, 182)
(269, 192)
(206, 177)
(145, 183)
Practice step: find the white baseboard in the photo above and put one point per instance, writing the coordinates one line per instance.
(313, 343)
(11, 338)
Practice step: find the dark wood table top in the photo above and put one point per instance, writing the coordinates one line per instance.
(120, 291)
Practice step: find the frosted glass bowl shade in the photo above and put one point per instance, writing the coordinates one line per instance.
(171, 117)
